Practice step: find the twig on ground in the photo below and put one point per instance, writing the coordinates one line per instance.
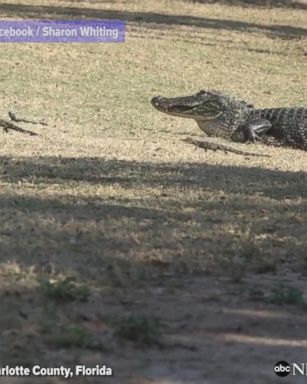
(225, 148)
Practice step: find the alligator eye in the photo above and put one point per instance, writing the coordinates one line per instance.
(200, 92)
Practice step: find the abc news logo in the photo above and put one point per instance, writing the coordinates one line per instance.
(283, 369)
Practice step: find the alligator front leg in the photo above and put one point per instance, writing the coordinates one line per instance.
(251, 132)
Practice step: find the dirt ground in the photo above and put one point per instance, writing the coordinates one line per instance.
(122, 245)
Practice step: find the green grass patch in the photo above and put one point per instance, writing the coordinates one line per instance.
(141, 330)
(287, 295)
(65, 289)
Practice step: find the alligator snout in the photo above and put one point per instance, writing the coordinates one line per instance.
(159, 102)
(155, 101)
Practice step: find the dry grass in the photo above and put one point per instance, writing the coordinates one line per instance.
(110, 194)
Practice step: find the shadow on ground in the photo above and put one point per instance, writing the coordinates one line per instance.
(141, 236)
(147, 18)
(255, 3)
(182, 216)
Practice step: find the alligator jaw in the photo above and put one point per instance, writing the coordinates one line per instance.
(183, 107)
(175, 106)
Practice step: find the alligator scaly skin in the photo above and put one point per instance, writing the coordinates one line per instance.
(289, 126)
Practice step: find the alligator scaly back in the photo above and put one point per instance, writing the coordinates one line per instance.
(289, 126)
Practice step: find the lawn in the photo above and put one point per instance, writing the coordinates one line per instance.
(120, 244)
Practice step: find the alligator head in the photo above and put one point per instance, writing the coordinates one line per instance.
(203, 105)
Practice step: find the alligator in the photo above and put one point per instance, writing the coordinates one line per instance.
(219, 115)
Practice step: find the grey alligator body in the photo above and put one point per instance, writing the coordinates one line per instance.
(223, 116)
